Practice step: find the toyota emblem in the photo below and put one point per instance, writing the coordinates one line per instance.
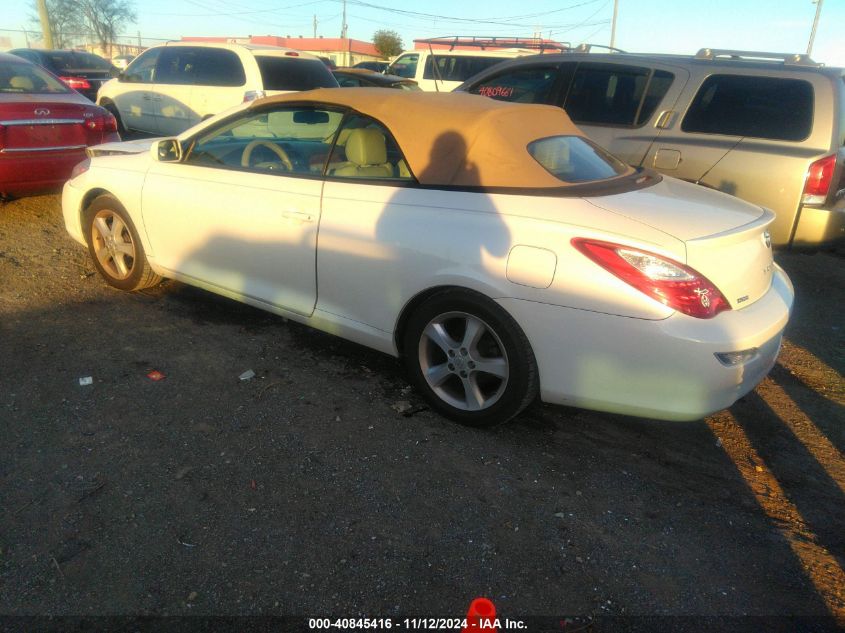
(41, 112)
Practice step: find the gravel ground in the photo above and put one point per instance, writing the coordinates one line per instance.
(305, 491)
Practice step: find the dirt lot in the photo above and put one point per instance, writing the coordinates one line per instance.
(304, 492)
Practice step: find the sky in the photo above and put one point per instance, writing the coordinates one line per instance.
(657, 26)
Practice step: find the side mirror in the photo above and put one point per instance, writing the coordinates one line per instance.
(166, 150)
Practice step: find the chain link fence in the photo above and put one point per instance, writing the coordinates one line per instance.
(122, 44)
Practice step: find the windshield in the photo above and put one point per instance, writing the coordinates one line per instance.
(575, 159)
(28, 78)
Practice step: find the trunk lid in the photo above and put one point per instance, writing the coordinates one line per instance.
(739, 261)
(726, 238)
(45, 125)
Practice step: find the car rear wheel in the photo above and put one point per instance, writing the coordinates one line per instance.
(115, 247)
(121, 130)
(470, 359)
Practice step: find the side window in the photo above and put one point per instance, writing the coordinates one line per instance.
(293, 73)
(365, 149)
(457, 67)
(218, 67)
(522, 85)
(405, 66)
(284, 140)
(176, 65)
(606, 93)
(142, 68)
(760, 107)
(658, 86)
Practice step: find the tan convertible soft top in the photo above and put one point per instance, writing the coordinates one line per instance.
(455, 138)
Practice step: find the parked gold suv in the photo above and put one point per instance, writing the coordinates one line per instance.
(768, 128)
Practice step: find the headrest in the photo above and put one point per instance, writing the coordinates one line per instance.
(366, 146)
(21, 83)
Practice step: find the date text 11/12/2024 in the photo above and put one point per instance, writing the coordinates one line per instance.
(432, 624)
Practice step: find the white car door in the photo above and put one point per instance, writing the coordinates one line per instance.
(239, 214)
(174, 85)
(133, 93)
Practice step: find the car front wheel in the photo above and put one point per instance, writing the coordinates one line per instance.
(115, 247)
(470, 359)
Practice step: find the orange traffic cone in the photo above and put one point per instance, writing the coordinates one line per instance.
(481, 616)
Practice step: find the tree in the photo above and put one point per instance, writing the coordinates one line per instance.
(66, 24)
(105, 19)
(388, 43)
(72, 20)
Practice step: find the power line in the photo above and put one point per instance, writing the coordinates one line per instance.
(586, 21)
(503, 21)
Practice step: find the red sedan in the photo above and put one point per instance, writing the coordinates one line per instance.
(44, 128)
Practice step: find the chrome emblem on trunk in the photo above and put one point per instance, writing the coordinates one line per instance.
(767, 237)
(41, 112)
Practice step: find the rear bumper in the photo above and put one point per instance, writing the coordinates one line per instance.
(818, 228)
(37, 172)
(659, 369)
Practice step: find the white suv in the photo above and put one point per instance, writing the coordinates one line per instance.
(443, 70)
(169, 88)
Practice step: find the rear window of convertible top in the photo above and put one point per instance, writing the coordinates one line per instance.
(573, 159)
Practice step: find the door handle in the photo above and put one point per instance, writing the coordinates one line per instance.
(301, 216)
(156, 98)
(147, 98)
(665, 119)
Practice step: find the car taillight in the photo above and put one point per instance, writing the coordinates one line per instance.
(665, 280)
(80, 168)
(818, 180)
(103, 123)
(252, 95)
(77, 83)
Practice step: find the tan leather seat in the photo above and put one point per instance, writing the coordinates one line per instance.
(366, 155)
(21, 83)
(402, 168)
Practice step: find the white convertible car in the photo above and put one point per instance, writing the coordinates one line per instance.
(491, 245)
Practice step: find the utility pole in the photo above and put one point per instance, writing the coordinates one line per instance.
(613, 24)
(818, 4)
(45, 24)
(315, 26)
(343, 24)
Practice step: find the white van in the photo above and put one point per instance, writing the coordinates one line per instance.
(443, 70)
(169, 88)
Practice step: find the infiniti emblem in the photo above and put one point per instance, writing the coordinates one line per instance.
(703, 296)
(41, 112)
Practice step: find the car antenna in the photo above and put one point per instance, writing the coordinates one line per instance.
(732, 148)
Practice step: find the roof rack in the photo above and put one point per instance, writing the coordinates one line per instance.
(788, 59)
(484, 42)
(585, 48)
